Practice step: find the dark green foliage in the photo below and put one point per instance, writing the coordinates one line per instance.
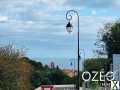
(109, 39)
(96, 64)
(58, 77)
(43, 75)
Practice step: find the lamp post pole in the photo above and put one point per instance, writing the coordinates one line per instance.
(83, 58)
(69, 29)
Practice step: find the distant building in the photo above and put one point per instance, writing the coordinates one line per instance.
(69, 72)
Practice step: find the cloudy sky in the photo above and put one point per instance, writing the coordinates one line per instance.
(38, 26)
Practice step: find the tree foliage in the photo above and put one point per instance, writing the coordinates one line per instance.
(43, 75)
(14, 71)
(18, 72)
(109, 39)
(96, 64)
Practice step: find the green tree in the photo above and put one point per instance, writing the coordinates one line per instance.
(14, 71)
(43, 75)
(109, 39)
(96, 64)
(58, 77)
(39, 74)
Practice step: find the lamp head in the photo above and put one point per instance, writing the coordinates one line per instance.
(69, 27)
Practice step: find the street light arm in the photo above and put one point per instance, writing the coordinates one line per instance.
(69, 15)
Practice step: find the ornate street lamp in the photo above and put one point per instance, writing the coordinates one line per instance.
(69, 28)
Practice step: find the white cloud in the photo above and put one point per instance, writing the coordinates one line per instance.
(3, 19)
(91, 24)
(14, 25)
(53, 2)
(95, 4)
(40, 14)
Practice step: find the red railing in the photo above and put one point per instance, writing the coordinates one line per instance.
(43, 87)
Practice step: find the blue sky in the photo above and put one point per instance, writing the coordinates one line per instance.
(38, 26)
